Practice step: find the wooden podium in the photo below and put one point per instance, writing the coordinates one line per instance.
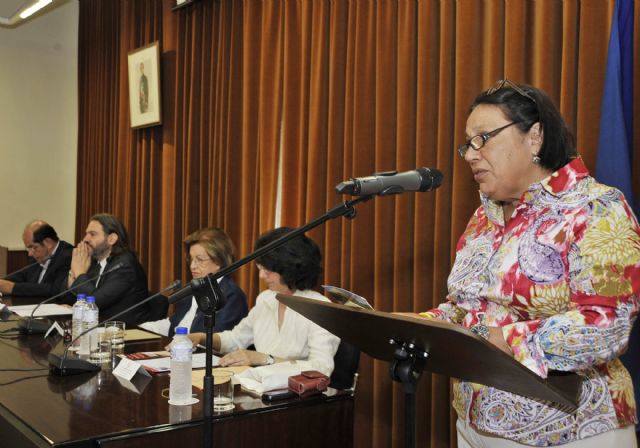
(438, 347)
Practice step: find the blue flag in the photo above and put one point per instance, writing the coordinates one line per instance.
(613, 166)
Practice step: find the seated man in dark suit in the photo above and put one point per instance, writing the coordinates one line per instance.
(106, 244)
(53, 258)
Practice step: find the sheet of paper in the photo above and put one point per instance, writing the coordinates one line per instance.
(272, 377)
(344, 297)
(197, 376)
(48, 309)
(136, 334)
(164, 364)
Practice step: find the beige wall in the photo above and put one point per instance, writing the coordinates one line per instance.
(38, 123)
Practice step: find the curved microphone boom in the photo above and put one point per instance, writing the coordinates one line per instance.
(61, 365)
(30, 325)
(392, 182)
(24, 268)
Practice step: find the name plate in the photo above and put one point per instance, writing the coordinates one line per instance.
(127, 369)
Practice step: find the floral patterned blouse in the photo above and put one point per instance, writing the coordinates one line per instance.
(562, 280)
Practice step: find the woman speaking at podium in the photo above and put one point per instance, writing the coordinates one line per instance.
(548, 270)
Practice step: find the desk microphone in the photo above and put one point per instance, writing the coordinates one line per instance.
(63, 366)
(30, 325)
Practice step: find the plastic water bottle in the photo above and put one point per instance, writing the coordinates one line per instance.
(76, 319)
(180, 381)
(89, 319)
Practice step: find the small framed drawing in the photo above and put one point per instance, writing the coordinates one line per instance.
(144, 86)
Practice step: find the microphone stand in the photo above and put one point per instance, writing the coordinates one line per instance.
(208, 306)
(31, 325)
(23, 268)
(62, 366)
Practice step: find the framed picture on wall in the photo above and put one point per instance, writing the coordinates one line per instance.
(145, 102)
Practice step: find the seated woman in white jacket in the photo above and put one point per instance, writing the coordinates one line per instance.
(277, 332)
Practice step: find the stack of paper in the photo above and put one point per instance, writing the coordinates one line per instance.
(161, 361)
(275, 376)
(48, 309)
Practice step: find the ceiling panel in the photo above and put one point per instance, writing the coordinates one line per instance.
(9, 7)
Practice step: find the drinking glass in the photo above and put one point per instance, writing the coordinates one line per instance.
(100, 350)
(116, 331)
(222, 390)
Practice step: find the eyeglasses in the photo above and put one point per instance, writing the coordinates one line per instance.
(477, 141)
(505, 83)
(33, 246)
(198, 261)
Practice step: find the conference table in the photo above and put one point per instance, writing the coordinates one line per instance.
(39, 409)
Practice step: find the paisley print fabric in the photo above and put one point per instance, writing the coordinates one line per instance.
(562, 280)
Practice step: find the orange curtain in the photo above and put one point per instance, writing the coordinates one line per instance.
(322, 91)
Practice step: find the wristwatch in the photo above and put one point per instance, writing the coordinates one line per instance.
(481, 330)
(270, 360)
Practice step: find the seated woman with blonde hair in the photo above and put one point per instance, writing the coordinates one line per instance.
(210, 249)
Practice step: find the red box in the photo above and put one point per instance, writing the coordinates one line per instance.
(309, 382)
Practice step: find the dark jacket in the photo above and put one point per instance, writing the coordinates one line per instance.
(116, 290)
(26, 282)
(227, 317)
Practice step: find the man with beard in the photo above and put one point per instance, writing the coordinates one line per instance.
(104, 245)
(52, 256)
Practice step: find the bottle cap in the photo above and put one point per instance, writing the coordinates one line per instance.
(182, 330)
(81, 296)
(91, 299)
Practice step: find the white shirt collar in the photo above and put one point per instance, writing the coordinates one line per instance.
(48, 260)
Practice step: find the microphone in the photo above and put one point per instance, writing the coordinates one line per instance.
(62, 366)
(392, 182)
(196, 285)
(24, 268)
(30, 325)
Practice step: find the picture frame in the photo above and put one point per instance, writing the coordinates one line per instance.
(183, 3)
(145, 102)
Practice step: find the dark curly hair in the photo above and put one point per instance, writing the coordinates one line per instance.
(110, 224)
(299, 261)
(558, 144)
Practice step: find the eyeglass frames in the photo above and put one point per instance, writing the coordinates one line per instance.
(505, 83)
(198, 260)
(33, 246)
(477, 141)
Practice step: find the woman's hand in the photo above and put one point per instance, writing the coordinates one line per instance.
(197, 338)
(243, 358)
